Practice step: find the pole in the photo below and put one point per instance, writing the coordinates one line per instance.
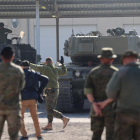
(57, 38)
(28, 35)
(37, 28)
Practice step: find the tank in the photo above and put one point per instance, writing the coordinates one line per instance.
(22, 51)
(83, 51)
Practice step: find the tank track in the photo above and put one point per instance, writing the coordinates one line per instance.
(65, 99)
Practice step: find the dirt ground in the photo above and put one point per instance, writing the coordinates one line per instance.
(78, 127)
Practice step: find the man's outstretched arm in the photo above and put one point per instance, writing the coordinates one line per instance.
(62, 71)
(39, 68)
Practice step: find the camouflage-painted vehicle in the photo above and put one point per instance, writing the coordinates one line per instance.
(22, 51)
(83, 51)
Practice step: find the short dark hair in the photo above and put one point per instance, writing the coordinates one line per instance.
(7, 52)
(25, 63)
(129, 53)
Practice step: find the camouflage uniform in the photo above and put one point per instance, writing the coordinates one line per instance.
(96, 84)
(51, 100)
(52, 88)
(124, 86)
(127, 125)
(12, 82)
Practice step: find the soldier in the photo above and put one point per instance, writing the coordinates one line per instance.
(94, 89)
(3, 33)
(124, 88)
(52, 89)
(12, 81)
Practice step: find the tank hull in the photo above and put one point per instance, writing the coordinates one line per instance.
(22, 52)
(85, 49)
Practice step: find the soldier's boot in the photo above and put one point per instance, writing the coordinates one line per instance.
(65, 121)
(48, 127)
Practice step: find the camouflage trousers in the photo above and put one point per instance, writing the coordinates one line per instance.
(14, 123)
(51, 101)
(98, 123)
(127, 125)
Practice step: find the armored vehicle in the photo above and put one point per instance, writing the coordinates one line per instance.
(83, 51)
(22, 51)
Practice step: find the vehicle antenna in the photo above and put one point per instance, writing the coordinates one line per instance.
(72, 29)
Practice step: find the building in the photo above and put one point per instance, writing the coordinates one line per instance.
(79, 25)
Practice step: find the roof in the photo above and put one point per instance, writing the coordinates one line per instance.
(69, 8)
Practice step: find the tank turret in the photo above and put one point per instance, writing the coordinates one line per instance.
(84, 48)
(22, 51)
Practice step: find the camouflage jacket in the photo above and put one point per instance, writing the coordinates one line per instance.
(12, 81)
(52, 72)
(96, 83)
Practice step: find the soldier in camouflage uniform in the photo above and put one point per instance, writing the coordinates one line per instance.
(124, 87)
(3, 33)
(12, 81)
(52, 89)
(94, 89)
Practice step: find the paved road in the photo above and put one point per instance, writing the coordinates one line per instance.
(77, 129)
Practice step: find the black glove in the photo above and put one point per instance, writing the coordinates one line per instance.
(62, 60)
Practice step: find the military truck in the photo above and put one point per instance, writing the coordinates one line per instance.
(22, 51)
(83, 51)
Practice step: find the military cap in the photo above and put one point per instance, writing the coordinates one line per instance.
(107, 53)
(1, 24)
(25, 63)
(129, 53)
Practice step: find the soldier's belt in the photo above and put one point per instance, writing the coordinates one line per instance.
(50, 90)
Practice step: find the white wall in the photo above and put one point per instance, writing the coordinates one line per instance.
(128, 27)
(48, 39)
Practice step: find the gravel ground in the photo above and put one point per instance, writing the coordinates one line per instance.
(78, 127)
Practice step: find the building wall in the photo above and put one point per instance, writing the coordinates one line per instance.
(102, 24)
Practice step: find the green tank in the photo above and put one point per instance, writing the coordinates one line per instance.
(22, 51)
(83, 51)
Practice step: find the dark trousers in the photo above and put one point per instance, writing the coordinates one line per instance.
(98, 124)
(127, 126)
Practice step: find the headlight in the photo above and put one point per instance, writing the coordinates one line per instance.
(77, 73)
